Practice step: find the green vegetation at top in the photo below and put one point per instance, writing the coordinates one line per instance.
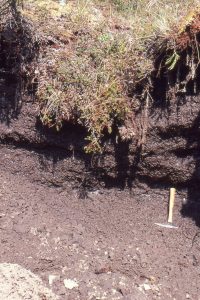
(94, 55)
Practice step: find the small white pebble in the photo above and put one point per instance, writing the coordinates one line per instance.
(146, 287)
(52, 278)
(70, 284)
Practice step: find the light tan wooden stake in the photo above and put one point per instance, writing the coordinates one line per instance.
(171, 204)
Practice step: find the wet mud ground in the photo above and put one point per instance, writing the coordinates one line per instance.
(105, 246)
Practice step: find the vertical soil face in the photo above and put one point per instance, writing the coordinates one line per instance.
(170, 155)
(172, 145)
(58, 219)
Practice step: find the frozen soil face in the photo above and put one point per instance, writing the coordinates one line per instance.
(105, 246)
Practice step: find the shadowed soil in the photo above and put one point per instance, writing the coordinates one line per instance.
(106, 245)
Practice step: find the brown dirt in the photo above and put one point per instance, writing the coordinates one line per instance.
(106, 243)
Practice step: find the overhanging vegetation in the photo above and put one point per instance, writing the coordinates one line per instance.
(99, 59)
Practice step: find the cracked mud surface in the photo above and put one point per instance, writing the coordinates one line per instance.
(105, 246)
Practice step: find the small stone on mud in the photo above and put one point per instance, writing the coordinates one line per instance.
(70, 284)
(52, 278)
(33, 231)
(145, 286)
(111, 254)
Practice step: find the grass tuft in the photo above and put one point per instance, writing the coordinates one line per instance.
(96, 53)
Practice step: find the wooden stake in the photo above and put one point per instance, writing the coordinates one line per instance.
(171, 204)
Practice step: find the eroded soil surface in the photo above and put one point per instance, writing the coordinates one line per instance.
(105, 246)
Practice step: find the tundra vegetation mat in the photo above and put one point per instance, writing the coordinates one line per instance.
(98, 61)
(105, 246)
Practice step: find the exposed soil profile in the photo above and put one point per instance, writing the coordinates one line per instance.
(105, 246)
(77, 224)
